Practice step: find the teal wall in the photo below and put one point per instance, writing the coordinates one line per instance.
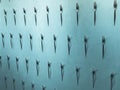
(104, 27)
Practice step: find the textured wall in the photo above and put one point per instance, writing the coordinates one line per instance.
(59, 45)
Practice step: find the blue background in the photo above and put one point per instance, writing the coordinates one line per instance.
(104, 27)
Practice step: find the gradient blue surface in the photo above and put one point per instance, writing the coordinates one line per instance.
(104, 27)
